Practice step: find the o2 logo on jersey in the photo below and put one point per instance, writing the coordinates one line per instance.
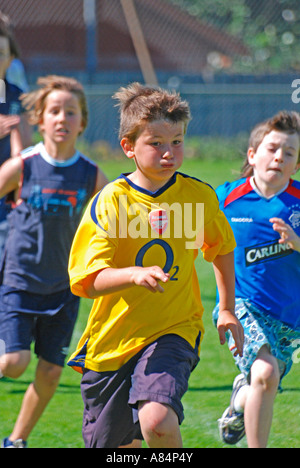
(168, 267)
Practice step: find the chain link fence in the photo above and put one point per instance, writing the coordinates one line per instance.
(236, 62)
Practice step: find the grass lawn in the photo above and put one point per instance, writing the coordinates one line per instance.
(210, 384)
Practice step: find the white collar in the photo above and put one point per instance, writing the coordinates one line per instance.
(256, 189)
(40, 147)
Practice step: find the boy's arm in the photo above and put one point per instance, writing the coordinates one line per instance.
(10, 176)
(225, 278)
(111, 280)
(16, 143)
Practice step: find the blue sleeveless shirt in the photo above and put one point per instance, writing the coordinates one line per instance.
(41, 228)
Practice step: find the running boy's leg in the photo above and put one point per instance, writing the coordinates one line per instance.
(159, 425)
(14, 364)
(265, 377)
(36, 398)
(159, 382)
(52, 334)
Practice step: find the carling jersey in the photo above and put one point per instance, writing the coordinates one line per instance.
(267, 273)
(53, 196)
(126, 226)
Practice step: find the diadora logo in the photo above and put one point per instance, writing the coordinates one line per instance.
(241, 220)
(262, 253)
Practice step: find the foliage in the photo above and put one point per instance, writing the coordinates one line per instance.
(269, 28)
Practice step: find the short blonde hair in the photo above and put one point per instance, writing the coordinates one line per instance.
(140, 104)
(35, 101)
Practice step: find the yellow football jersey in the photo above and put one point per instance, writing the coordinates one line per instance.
(125, 225)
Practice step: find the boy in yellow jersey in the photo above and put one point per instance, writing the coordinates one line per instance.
(134, 254)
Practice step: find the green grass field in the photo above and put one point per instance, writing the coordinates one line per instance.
(210, 385)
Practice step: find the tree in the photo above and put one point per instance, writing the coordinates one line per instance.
(270, 29)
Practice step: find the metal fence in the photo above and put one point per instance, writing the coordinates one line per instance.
(234, 61)
(217, 109)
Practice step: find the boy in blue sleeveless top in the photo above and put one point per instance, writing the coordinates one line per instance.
(50, 185)
(263, 209)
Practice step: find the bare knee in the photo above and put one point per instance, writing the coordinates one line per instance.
(47, 376)
(265, 372)
(13, 365)
(159, 424)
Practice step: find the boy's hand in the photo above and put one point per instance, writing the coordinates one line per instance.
(149, 278)
(287, 234)
(228, 322)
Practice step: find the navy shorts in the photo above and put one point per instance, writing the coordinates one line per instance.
(159, 373)
(46, 320)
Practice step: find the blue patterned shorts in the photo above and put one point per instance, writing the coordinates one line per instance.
(261, 329)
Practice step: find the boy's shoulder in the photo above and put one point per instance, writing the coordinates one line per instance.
(294, 188)
(194, 188)
(39, 149)
(233, 190)
(193, 180)
(115, 188)
(30, 151)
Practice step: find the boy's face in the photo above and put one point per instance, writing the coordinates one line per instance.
(276, 159)
(5, 57)
(158, 153)
(62, 118)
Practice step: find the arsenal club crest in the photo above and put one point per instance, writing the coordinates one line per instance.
(158, 220)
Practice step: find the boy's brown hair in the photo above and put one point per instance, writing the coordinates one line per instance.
(35, 101)
(140, 104)
(287, 122)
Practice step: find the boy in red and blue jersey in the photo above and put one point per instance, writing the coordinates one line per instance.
(263, 209)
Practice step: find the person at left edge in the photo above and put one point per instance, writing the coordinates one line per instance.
(12, 120)
(51, 183)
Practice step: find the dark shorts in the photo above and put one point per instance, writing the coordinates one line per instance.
(51, 332)
(159, 373)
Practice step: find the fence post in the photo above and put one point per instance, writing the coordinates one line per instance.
(89, 14)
